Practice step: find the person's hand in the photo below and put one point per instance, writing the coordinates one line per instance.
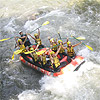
(67, 39)
(48, 37)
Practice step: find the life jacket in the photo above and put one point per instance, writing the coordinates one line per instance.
(54, 47)
(22, 47)
(62, 50)
(56, 61)
(70, 51)
(35, 56)
(44, 60)
(38, 41)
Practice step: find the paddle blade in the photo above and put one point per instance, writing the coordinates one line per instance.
(17, 52)
(45, 23)
(5, 39)
(40, 52)
(28, 52)
(13, 56)
(80, 38)
(89, 47)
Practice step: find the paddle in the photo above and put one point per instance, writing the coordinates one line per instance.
(13, 54)
(79, 38)
(59, 36)
(84, 44)
(45, 23)
(19, 51)
(6, 39)
(40, 52)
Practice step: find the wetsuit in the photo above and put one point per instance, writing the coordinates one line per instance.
(27, 42)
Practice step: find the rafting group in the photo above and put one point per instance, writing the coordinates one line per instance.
(55, 53)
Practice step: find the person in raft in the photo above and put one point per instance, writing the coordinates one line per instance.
(44, 61)
(34, 56)
(53, 44)
(62, 50)
(70, 50)
(55, 63)
(20, 44)
(25, 40)
(37, 39)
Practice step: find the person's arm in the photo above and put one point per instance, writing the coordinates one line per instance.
(58, 51)
(56, 41)
(66, 41)
(37, 46)
(38, 32)
(40, 57)
(51, 58)
(16, 41)
(25, 40)
(32, 37)
(49, 38)
(23, 37)
(76, 44)
(63, 47)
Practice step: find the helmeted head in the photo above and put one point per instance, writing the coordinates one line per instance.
(36, 35)
(21, 33)
(52, 53)
(69, 43)
(31, 49)
(60, 41)
(52, 40)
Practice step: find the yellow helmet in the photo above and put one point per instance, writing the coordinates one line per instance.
(52, 52)
(31, 49)
(36, 34)
(52, 39)
(60, 41)
(68, 42)
(19, 40)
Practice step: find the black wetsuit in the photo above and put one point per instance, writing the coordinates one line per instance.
(27, 42)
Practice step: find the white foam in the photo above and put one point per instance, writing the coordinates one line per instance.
(28, 95)
(30, 26)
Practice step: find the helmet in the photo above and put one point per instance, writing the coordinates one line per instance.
(60, 41)
(52, 39)
(31, 49)
(68, 42)
(20, 32)
(52, 52)
(36, 34)
(19, 40)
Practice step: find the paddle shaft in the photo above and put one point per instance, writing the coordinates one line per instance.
(59, 36)
(78, 40)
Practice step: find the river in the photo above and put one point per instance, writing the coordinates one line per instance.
(69, 17)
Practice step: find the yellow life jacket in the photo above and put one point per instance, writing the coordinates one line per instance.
(35, 56)
(22, 47)
(62, 50)
(39, 41)
(56, 61)
(44, 60)
(70, 51)
(54, 47)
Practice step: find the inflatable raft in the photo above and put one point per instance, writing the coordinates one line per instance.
(64, 68)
